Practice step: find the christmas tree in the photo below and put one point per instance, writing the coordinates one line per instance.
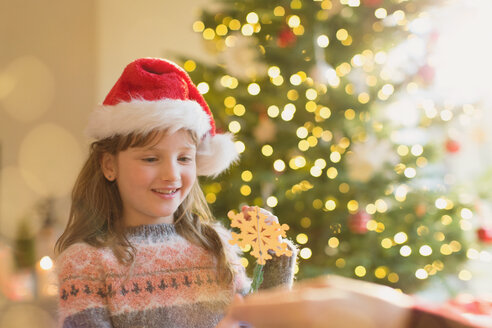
(338, 136)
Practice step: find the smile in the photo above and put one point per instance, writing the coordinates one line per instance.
(166, 191)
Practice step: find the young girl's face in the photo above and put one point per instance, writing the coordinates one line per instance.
(154, 180)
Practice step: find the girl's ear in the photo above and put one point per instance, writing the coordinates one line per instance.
(108, 166)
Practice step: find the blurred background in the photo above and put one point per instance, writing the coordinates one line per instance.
(363, 124)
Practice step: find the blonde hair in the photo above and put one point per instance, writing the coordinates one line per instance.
(96, 210)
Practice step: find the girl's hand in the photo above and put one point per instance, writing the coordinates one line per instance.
(271, 219)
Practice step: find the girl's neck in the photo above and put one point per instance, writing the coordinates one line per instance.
(134, 221)
(151, 230)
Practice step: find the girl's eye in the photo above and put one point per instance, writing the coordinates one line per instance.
(150, 159)
(185, 159)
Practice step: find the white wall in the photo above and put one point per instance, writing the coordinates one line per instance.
(131, 29)
(58, 60)
(47, 79)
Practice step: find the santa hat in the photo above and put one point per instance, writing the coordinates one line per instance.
(156, 94)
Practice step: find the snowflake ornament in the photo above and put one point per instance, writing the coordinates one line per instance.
(262, 236)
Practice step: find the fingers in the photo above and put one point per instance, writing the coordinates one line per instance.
(271, 219)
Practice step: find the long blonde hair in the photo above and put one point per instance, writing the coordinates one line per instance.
(96, 210)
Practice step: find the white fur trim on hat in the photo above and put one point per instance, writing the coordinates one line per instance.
(143, 116)
(215, 154)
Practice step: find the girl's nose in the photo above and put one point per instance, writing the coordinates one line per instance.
(170, 171)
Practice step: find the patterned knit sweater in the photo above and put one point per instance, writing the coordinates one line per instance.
(173, 283)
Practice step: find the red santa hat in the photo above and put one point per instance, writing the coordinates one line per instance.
(156, 94)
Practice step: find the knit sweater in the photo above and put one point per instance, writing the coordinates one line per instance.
(173, 283)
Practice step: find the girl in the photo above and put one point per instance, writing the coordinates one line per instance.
(141, 248)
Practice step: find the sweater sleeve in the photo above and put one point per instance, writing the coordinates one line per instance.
(279, 271)
(82, 289)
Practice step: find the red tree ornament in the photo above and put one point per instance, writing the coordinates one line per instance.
(452, 146)
(427, 73)
(357, 222)
(286, 38)
(372, 3)
(485, 234)
(420, 210)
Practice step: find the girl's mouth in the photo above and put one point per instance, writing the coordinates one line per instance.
(165, 191)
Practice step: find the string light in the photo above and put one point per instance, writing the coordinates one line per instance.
(465, 275)
(315, 171)
(380, 13)
(342, 34)
(293, 21)
(273, 111)
(303, 145)
(421, 274)
(332, 173)
(210, 198)
(239, 110)
(203, 87)
(189, 65)
(405, 251)
(221, 30)
(311, 94)
(305, 222)
(340, 263)
(295, 79)
(272, 201)
(410, 172)
(247, 30)
(273, 71)
(278, 81)
(46, 263)
(333, 242)
(323, 41)
(302, 132)
(425, 250)
(330, 204)
(386, 243)
(247, 176)
(279, 11)
(254, 89)
(240, 147)
(234, 126)
(235, 25)
(466, 214)
(400, 237)
(350, 114)
(288, 112)
(360, 271)
(245, 190)
(352, 206)
(305, 253)
(380, 272)
(335, 157)
(198, 26)
(279, 165)
(267, 150)
(344, 188)
(296, 4)
(371, 208)
(244, 262)
(208, 34)
(252, 18)
(302, 238)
